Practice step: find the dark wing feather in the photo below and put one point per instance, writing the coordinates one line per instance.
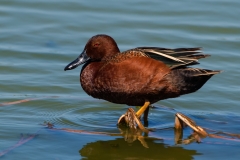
(173, 57)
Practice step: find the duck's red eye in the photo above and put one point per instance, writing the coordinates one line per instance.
(96, 45)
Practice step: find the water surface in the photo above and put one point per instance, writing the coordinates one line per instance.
(39, 38)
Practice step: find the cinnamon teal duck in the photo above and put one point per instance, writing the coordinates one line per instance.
(139, 76)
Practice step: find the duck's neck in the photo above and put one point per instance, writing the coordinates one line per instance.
(111, 51)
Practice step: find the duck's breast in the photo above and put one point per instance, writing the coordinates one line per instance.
(127, 82)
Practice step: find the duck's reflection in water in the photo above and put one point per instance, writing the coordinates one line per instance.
(119, 149)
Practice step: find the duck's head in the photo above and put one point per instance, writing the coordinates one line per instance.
(97, 48)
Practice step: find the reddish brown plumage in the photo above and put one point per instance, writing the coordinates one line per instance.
(136, 75)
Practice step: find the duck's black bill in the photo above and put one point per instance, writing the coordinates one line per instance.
(82, 58)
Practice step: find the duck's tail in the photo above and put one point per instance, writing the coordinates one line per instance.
(188, 80)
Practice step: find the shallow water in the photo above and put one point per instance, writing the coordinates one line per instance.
(39, 38)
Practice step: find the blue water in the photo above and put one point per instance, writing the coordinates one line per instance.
(39, 38)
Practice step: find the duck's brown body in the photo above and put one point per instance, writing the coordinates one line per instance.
(121, 82)
(140, 74)
(137, 78)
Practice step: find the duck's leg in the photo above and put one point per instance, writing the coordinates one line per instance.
(180, 122)
(145, 116)
(144, 109)
(127, 118)
(132, 121)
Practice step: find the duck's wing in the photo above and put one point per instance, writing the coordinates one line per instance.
(173, 57)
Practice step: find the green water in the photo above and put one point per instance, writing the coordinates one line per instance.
(39, 38)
